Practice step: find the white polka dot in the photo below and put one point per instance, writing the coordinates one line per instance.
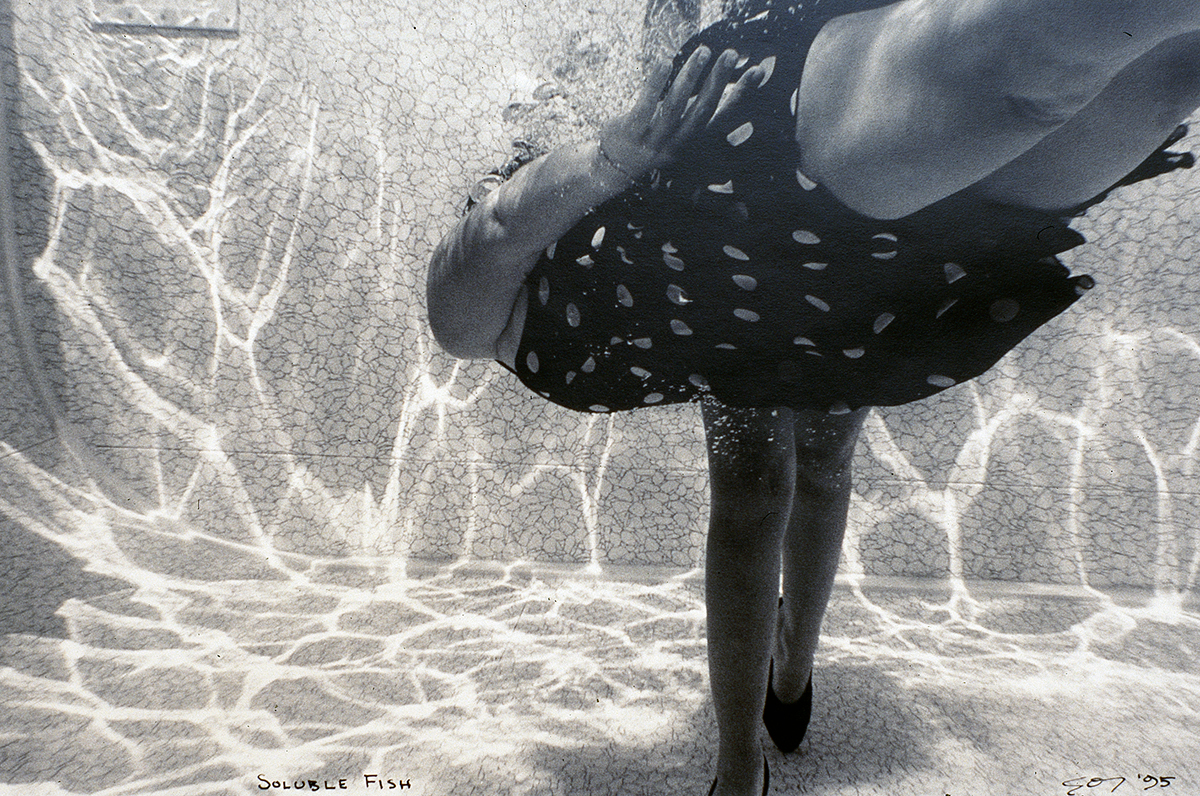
(586, 260)
(884, 255)
(740, 134)
(615, 341)
(816, 302)
(726, 346)
(804, 236)
(624, 257)
(1004, 310)
(946, 307)
(839, 408)
(745, 59)
(544, 290)
(653, 398)
(550, 250)
(882, 321)
(735, 253)
(669, 247)
(589, 366)
(643, 342)
(746, 315)
(673, 262)
(531, 361)
(803, 341)
(641, 373)
(853, 353)
(885, 236)
(677, 295)
(816, 266)
(745, 282)
(680, 328)
(632, 226)
(725, 187)
(804, 181)
(941, 381)
(598, 237)
(954, 272)
(598, 408)
(768, 66)
(792, 101)
(624, 296)
(572, 315)
(697, 380)
(814, 353)
(571, 376)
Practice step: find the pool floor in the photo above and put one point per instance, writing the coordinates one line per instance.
(517, 680)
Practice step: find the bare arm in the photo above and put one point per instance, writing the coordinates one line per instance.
(478, 271)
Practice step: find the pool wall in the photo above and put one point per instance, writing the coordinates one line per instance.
(221, 243)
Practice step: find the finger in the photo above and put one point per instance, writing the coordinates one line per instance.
(749, 81)
(710, 95)
(677, 97)
(652, 90)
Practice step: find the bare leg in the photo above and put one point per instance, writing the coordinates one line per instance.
(752, 476)
(935, 95)
(1109, 137)
(813, 544)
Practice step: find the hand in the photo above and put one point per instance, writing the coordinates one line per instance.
(651, 134)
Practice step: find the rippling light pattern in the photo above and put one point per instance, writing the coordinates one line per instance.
(256, 524)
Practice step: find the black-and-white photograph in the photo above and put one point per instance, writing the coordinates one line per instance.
(584, 397)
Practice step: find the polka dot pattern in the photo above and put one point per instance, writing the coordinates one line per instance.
(733, 274)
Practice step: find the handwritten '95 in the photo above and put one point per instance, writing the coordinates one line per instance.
(1110, 784)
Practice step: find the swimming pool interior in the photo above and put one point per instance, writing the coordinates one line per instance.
(259, 532)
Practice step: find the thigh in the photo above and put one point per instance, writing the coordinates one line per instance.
(907, 104)
(825, 446)
(751, 453)
(1110, 137)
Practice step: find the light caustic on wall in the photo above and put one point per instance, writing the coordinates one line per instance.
(235, 256)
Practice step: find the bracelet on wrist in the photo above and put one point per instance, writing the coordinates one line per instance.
(611, 162)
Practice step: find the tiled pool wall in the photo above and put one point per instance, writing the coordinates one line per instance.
(223, 242)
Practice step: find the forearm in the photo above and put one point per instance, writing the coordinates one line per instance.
(479, 267)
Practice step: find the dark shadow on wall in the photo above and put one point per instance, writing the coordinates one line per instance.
(38, 577)
(28, 333)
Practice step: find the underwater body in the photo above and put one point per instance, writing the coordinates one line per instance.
(259, 531)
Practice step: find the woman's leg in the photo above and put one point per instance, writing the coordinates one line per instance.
(751, 461)
(813, 544)
(907, 104)
(1107, 139)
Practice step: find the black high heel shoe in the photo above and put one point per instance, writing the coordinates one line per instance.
(766, 779)
(787, 722)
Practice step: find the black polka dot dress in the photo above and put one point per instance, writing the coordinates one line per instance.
(733, 275)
